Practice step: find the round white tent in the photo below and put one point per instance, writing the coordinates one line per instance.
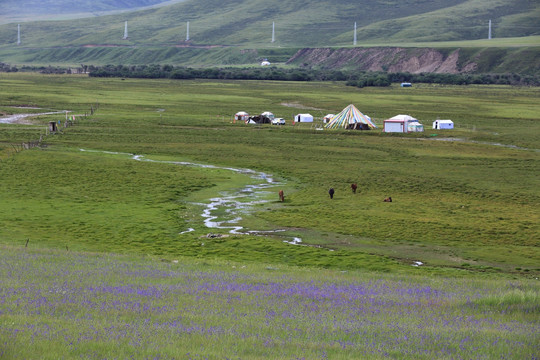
(328, 117)
(268, 114)
(241, 116)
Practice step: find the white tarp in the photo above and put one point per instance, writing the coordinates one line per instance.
(303, 118)
(443, 124)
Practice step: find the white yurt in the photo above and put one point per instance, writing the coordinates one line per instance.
(268, 114)
(328, 117)
(241, 116)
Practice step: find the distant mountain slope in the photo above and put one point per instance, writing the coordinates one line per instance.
(160, 34)
(299, 23)
(52, 7)
(35, 10)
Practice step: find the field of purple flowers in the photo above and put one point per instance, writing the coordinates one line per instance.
(65, 305)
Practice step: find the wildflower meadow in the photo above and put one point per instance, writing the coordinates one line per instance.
(63, 305)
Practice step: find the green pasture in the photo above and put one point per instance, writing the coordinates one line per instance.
(465, 200)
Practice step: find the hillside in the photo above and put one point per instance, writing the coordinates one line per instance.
(31, 10)
(423, 60)
(314, 23)
(161, 35)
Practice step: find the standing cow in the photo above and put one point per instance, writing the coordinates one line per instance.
(354, 187)
(331, 193)
(281, 196)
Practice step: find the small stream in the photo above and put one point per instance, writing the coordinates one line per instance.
(224, 212)
(17, 118)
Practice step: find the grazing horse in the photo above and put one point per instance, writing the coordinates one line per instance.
(331, 193)
(281, 196)
(388, 199)
(354, 187)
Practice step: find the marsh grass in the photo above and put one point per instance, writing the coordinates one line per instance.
(462, 206)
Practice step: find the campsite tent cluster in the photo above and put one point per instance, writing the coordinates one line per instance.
(351, 118)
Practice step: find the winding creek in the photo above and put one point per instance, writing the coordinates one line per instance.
(17, 118)
(225, 211)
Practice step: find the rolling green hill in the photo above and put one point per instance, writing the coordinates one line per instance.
(32, 10)
(249, 23)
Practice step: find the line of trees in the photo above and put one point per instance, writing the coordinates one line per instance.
(352, 78)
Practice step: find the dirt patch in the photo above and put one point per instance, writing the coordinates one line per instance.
(391, 59)
(298, 106)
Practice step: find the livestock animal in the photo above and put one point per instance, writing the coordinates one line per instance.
(331, 193)
(353, 188)
(281, 196)
(388, 199)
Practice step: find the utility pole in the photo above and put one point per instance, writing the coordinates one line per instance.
(354, 39)
(125, 32)
(187, 32)
(18, 34)
(273, 32)
(489, 31)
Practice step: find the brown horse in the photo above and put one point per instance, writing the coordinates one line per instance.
(281, 196)
(354, 187)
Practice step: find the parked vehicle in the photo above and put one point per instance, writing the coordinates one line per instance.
(278, 121)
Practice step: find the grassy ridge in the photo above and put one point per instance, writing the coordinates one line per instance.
(313, 23)
(158, 35)
(465, 204)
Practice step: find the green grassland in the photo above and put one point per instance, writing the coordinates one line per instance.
(465, 200)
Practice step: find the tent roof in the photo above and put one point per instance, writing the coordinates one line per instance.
(403, 118)
(349, 115)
